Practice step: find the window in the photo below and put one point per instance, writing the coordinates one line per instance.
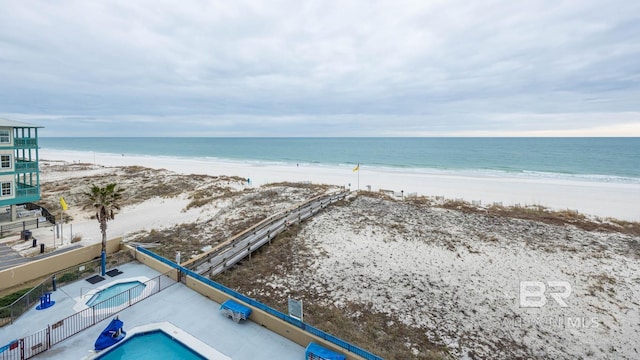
(5, 137)
(6, 188)
(5, 161)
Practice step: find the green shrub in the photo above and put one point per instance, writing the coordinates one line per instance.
(66, 277)
(11, 298)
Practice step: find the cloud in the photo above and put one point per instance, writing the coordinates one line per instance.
(366, 68)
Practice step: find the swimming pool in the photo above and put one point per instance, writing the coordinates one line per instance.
(161, 340)
(154, 344)
(134, 288)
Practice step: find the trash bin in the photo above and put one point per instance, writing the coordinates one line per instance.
(42, 252)
(26, 235)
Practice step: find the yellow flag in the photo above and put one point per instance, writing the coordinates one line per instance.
(356, 168)
(63, 204)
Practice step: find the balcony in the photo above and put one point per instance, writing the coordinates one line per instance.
(26, 166)
(25, 143)
(27, 193)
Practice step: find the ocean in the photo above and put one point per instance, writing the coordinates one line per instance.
(588, 159)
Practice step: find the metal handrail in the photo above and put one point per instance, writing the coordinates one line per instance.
(238, 253)
(41, 341)
(230, 243)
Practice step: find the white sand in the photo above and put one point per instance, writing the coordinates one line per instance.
(617, 200)
(457, 275)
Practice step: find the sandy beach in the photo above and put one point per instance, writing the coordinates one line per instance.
(451, 275)
(601, 199)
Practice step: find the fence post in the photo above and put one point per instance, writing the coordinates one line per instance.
(48, 337)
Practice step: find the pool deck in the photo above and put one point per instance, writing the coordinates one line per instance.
(178, 305)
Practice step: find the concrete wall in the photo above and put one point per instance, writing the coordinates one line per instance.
(26, 272)
(156, 265)
(258, 316)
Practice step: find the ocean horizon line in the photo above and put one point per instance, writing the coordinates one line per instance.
(341, 137)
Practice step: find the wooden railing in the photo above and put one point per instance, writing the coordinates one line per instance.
(243, 244)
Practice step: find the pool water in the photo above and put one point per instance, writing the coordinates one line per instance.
(135, 287)
(151, 345)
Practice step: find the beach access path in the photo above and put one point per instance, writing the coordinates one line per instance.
(10, 257)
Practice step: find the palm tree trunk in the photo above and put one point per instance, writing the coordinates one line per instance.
(103, 253)
(103, 228)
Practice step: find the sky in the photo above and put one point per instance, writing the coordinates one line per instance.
(322, 68)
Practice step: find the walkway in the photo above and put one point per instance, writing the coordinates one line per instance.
(242, 245)
(10, 257)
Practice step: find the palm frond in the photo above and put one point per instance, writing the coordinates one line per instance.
(105, 200)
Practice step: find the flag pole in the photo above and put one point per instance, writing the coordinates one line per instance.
(357, 169)
(63, 208)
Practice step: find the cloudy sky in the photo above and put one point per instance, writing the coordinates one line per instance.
(322, 68)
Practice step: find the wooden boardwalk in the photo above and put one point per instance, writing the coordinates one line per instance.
(243, 244)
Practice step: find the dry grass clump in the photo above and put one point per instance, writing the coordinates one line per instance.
(627, 227)
(460, 205)
(202, 197)
(185, 238)
(421, 200)
(603, 283)
(375, 195)
(134, 169)
(230, 179)
(564, 217)
(299, 185)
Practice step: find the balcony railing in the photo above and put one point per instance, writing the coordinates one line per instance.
(23, 191)
(26, 166)
(25, 142)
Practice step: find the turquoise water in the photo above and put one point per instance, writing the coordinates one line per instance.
(152, 345)
(600, 159)
(136, 288)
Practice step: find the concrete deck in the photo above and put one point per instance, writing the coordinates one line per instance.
(182, 307)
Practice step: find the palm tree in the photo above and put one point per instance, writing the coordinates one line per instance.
(105, 200)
